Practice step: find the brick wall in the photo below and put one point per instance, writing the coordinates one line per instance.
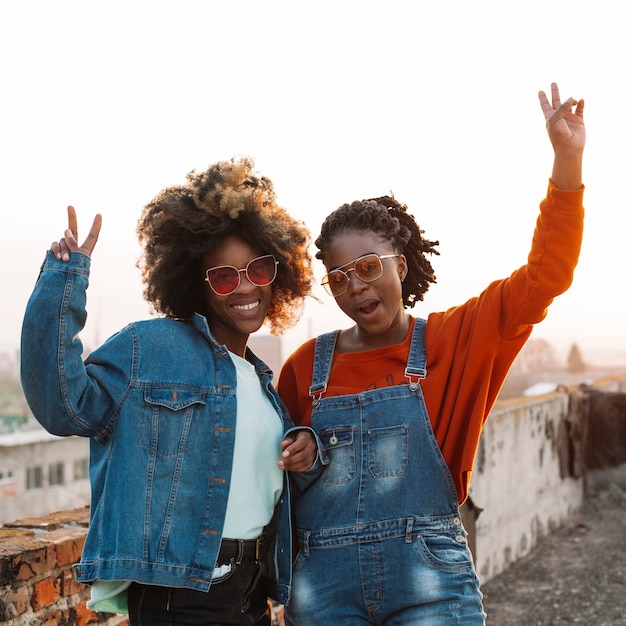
(37, 584)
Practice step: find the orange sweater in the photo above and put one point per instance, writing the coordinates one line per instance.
(469, 348)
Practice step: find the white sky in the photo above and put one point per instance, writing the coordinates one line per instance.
(105, 103)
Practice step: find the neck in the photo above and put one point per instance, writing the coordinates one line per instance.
(356, 339)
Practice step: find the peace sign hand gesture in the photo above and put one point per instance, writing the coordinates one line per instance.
(62, 249)
(566, 130)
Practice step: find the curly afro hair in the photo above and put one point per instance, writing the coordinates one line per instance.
(389, 220)
(184, 222)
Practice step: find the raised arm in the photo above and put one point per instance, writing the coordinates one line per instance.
(566, 130)
(61, 393)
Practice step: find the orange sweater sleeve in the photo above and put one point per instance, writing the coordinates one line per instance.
(469, 348)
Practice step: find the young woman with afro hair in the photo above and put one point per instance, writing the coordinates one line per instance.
(189, 519)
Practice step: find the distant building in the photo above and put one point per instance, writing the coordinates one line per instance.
(39, 472)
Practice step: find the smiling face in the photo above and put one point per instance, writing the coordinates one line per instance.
(375, 307)
(234, 317)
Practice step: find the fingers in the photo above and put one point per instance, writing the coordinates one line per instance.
(299, 453)
(90, 242)
(556, 98)
(69, 242)
(580, 107)
(291, 448)
(547, 107)
(55, 248)
(556, 106)
(72, 221)
(62, 248)
(70, 239)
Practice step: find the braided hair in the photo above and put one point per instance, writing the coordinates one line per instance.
(182, 223)
(389, 220)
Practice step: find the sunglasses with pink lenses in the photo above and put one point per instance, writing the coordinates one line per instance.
(224, 279)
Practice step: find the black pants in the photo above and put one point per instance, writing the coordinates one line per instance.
(239, 598)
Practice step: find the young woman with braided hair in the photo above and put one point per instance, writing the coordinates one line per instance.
(190, 513)
(399, 403)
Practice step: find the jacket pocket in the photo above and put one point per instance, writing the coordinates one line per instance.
(170, 419)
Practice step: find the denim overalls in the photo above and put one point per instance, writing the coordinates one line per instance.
(380, 534)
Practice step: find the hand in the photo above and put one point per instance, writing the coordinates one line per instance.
(299, 452)
(61, 249)
(566, 128)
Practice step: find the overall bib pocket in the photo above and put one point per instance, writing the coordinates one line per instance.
(388, 451)
(339, 445)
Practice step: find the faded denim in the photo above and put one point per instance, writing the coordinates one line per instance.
(158, 402)
(380, 535)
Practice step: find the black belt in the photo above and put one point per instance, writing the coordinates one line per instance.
(238, 549)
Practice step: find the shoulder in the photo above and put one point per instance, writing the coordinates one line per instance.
(158, 324)
(162, 333)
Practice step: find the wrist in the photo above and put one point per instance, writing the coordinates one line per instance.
(567, 170)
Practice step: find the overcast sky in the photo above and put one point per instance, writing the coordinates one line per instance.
(105, 103)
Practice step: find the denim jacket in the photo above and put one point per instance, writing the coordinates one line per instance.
(158, 401)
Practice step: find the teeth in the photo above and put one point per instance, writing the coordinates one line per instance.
(246, 307)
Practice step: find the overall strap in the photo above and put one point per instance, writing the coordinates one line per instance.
(322, 361)
(416, 364)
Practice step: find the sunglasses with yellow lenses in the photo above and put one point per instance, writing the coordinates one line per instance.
(367, 268)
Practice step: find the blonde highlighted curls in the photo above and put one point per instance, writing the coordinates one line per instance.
(226, 190)
(184, 222)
